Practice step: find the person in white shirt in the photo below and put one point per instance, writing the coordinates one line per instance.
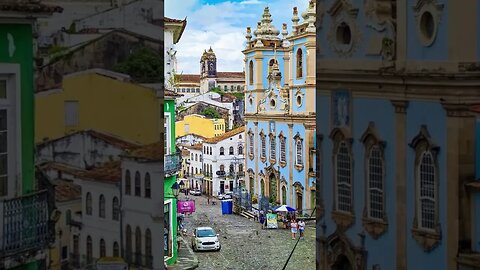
(301, 228)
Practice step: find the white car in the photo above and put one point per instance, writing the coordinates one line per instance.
(205, 238)
(195, 192)
(225, 196)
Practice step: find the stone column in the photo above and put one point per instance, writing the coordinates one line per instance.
(310, 63)
(256, 186)
(400, 183)
(290, 164)
(460, 154)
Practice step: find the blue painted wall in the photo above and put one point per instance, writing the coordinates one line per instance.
(415, 49)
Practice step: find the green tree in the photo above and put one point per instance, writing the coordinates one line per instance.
(144, 65)
(210, 113)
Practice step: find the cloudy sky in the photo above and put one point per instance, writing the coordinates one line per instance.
(222, 25)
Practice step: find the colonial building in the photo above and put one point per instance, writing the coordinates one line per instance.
(59, 111)
(280, 111)
(100, 232)
(194, 84)
(189, 139)
(26, 209)
(194, 167)
(396, 137)
(200, 125)
(173, 32)
(223, 161)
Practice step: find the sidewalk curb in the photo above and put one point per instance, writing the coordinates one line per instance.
(195, 259)
(193, 264)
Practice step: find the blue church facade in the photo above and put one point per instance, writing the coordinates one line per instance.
(395, 135)
(279, 111)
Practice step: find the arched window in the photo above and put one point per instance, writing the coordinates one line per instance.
(88, 204)
(230, 151)
(89, 250)
(147, 186)
(222, 168)
(427, 189)
(101, 206)
(375, 183)
(138, 187)
(250, 73)
(270, 65)
(115, 209)
(283, 149)
(138, 246)
(240, 150)
(232, 168)
(251, 143)
(116, 249)
(196, 157)
(343, 178)
(264, 147)
(148, 248)
(225, 88)
(299, 63)
(128, 183)
(103, 251)
(68, 216)
(299, 153)
(273, 147)
(222, 151)
(240, 168)
(128, 245)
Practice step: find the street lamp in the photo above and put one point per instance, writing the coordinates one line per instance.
(175, 189)
(181, 184)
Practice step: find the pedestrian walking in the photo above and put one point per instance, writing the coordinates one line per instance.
(301, 228)
(262, 220)
(293, 226)
(208, 200)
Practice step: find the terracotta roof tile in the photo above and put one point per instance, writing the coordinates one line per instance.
(152, 152)
(62, 168)
(226, 135)
(197, 146)
(184, 78)
(169, 93)
(166, 19)
(108, 138)
(28, 6)
(231, 74)
(67, 191)
(108, 172)
(475, 108)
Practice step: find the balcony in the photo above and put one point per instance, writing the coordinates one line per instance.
(25, 227)
(171, 164)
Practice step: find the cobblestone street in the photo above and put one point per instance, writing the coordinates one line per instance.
(245, 245)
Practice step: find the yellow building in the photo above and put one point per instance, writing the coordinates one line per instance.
(101, 100)
(200, 125)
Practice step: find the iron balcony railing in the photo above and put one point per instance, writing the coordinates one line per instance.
(172, 163)
(25, 224)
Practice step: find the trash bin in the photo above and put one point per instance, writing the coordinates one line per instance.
(227, 207)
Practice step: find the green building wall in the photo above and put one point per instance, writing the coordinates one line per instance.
(23, 55)
(169, 106)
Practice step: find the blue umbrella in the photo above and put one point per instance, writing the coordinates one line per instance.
(285, 208)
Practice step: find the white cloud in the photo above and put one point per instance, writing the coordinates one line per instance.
(222, 26)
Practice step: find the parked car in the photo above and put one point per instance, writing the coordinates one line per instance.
(195, 192)
(205, 238)
(225, 196)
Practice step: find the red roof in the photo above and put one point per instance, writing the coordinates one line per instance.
(184, 78)
(475, 108)
(152, 152)
(231, 74)
(108, 172)
(28, 6)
